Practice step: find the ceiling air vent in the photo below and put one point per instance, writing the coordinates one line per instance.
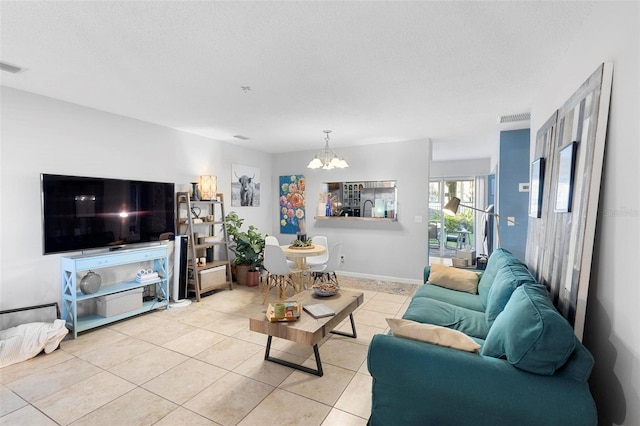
(514, 118)
(10, 68)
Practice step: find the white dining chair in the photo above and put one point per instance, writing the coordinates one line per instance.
(280, 273)
(324, 257)
(273, 241)
(328, 270)
(270, 240)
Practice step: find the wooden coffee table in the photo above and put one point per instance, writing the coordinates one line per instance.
(309, 330)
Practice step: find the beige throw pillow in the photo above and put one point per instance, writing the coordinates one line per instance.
(454, 278)
(430, 333)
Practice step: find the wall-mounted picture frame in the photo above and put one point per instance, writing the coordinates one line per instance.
(292, 204)
(245, 186)
(536, 188)
(566, 169)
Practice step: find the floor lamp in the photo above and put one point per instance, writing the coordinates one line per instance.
(451, 208)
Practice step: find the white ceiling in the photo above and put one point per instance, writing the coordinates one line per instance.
(371, 71)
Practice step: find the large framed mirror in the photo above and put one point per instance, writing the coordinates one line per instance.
(360, 200)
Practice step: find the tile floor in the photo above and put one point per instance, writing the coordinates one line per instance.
(197, 365)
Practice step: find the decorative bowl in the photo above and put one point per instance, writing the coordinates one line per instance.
(325, 290)
(301, 244)
(292, 247)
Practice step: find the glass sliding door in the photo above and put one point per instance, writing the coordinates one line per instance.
(436, 226)
(447, 234)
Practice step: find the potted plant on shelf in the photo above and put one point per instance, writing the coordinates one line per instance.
(248, 248)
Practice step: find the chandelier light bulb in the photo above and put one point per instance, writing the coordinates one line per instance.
(315, 163)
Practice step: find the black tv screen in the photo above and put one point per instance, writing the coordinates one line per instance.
(81, 213)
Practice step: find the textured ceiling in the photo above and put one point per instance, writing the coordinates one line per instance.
(371, 71)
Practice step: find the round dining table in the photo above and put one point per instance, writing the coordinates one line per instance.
(299, 256)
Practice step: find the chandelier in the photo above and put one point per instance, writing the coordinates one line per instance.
(327, 158)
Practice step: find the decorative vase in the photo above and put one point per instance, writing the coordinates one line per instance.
(242, 272)
(302, 230)
(90, 283)
(195, 192)
(253, 278)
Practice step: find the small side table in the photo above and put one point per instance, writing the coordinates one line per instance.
(468, 254)
(463, 236)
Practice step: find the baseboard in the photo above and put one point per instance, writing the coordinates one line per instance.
(380, 277)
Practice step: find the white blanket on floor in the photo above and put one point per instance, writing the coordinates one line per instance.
(25, 341)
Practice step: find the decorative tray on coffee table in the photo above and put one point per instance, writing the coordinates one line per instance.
(290, 312)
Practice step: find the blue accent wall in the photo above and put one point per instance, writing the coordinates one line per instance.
(513, 169)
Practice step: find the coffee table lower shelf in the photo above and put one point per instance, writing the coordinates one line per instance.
(318, 371)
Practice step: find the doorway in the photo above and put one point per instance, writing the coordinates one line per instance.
(448, 234)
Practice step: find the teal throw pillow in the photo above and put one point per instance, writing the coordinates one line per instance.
(498, 259)
(530, 333)
(508, 278)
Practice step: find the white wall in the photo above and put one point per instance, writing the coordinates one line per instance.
(44, 135)
(461, 168)
(372, 249)
(612, 335)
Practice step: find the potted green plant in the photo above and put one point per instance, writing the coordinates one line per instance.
(248, 248)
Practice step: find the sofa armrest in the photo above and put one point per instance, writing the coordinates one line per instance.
(425, 274)
(420, 383)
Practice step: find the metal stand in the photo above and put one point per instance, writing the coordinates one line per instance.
(353, 328)
(318, 371)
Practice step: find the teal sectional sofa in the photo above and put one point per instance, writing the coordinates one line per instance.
(530, 369)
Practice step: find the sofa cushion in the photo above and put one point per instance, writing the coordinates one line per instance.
(508, 278)
(454, 278)
(430, 311)
(579, 364)
(458, 298)
(499, 258)
(434, 334)
(530, 333)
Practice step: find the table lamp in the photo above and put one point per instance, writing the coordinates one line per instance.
(208, 187)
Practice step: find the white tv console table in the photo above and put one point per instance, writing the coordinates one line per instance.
(71, 295)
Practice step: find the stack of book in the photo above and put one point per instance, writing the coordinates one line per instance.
(319, 310)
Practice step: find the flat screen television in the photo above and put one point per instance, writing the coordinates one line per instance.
(80, 213)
